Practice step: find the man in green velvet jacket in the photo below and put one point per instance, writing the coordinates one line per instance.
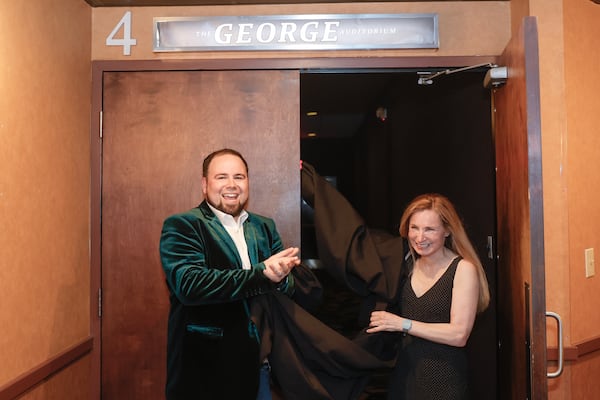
(216, 257)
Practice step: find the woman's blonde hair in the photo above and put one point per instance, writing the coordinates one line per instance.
(457, 241)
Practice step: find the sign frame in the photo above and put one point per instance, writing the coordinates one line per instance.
(296, 32)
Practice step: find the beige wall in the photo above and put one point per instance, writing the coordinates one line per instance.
(582, 56)
(582, 166)
(44, 182)
(466, 28)
(44, 157)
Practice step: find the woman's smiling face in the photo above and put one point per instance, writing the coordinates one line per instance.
(426, 232)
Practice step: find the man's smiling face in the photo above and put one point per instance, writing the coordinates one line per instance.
(225, 186)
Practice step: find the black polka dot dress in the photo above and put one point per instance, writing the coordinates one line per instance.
(426, 370)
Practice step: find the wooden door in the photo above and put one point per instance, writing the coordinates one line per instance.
(157, 129)
(521, 282)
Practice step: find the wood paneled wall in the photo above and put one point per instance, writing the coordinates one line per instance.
(44, 185)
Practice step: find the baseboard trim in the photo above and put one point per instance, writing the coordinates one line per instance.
(38, 374)
(33, 377)
(573, 353)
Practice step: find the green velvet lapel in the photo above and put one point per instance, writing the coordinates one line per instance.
(226, 243)
(250, 235)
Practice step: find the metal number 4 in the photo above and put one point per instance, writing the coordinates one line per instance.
(126, 41)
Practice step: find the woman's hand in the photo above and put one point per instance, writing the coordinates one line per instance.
(383, 321)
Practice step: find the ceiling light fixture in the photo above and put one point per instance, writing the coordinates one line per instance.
(381, 113)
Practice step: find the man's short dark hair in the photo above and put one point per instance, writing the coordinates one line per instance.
(221, 152)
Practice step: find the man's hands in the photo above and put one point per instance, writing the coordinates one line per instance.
(279, 265)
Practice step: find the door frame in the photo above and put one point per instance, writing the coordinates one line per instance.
(98, 69)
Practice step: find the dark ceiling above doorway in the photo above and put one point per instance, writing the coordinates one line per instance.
(155, 3)
(344, 99)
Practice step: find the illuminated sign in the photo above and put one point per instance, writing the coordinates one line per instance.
(297, 32)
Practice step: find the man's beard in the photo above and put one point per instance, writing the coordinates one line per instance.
(233, 210)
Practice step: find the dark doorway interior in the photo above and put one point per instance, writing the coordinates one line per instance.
(383, 139)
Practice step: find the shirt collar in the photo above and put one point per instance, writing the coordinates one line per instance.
(227, 219)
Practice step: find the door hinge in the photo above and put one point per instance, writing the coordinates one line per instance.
(490, 247)
(100, 303)
(101, 115)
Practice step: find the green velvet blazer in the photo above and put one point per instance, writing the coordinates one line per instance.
(212, 348)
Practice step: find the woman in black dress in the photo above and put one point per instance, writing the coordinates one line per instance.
(445, 288)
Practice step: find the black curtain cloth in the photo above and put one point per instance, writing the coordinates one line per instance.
(309, 359)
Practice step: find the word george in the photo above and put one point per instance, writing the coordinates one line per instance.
(284, 32)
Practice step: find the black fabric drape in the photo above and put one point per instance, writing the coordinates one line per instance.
(309, 359)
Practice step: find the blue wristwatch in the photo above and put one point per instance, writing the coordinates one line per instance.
(406, 325)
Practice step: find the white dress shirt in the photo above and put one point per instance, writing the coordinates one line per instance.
(236, 231)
